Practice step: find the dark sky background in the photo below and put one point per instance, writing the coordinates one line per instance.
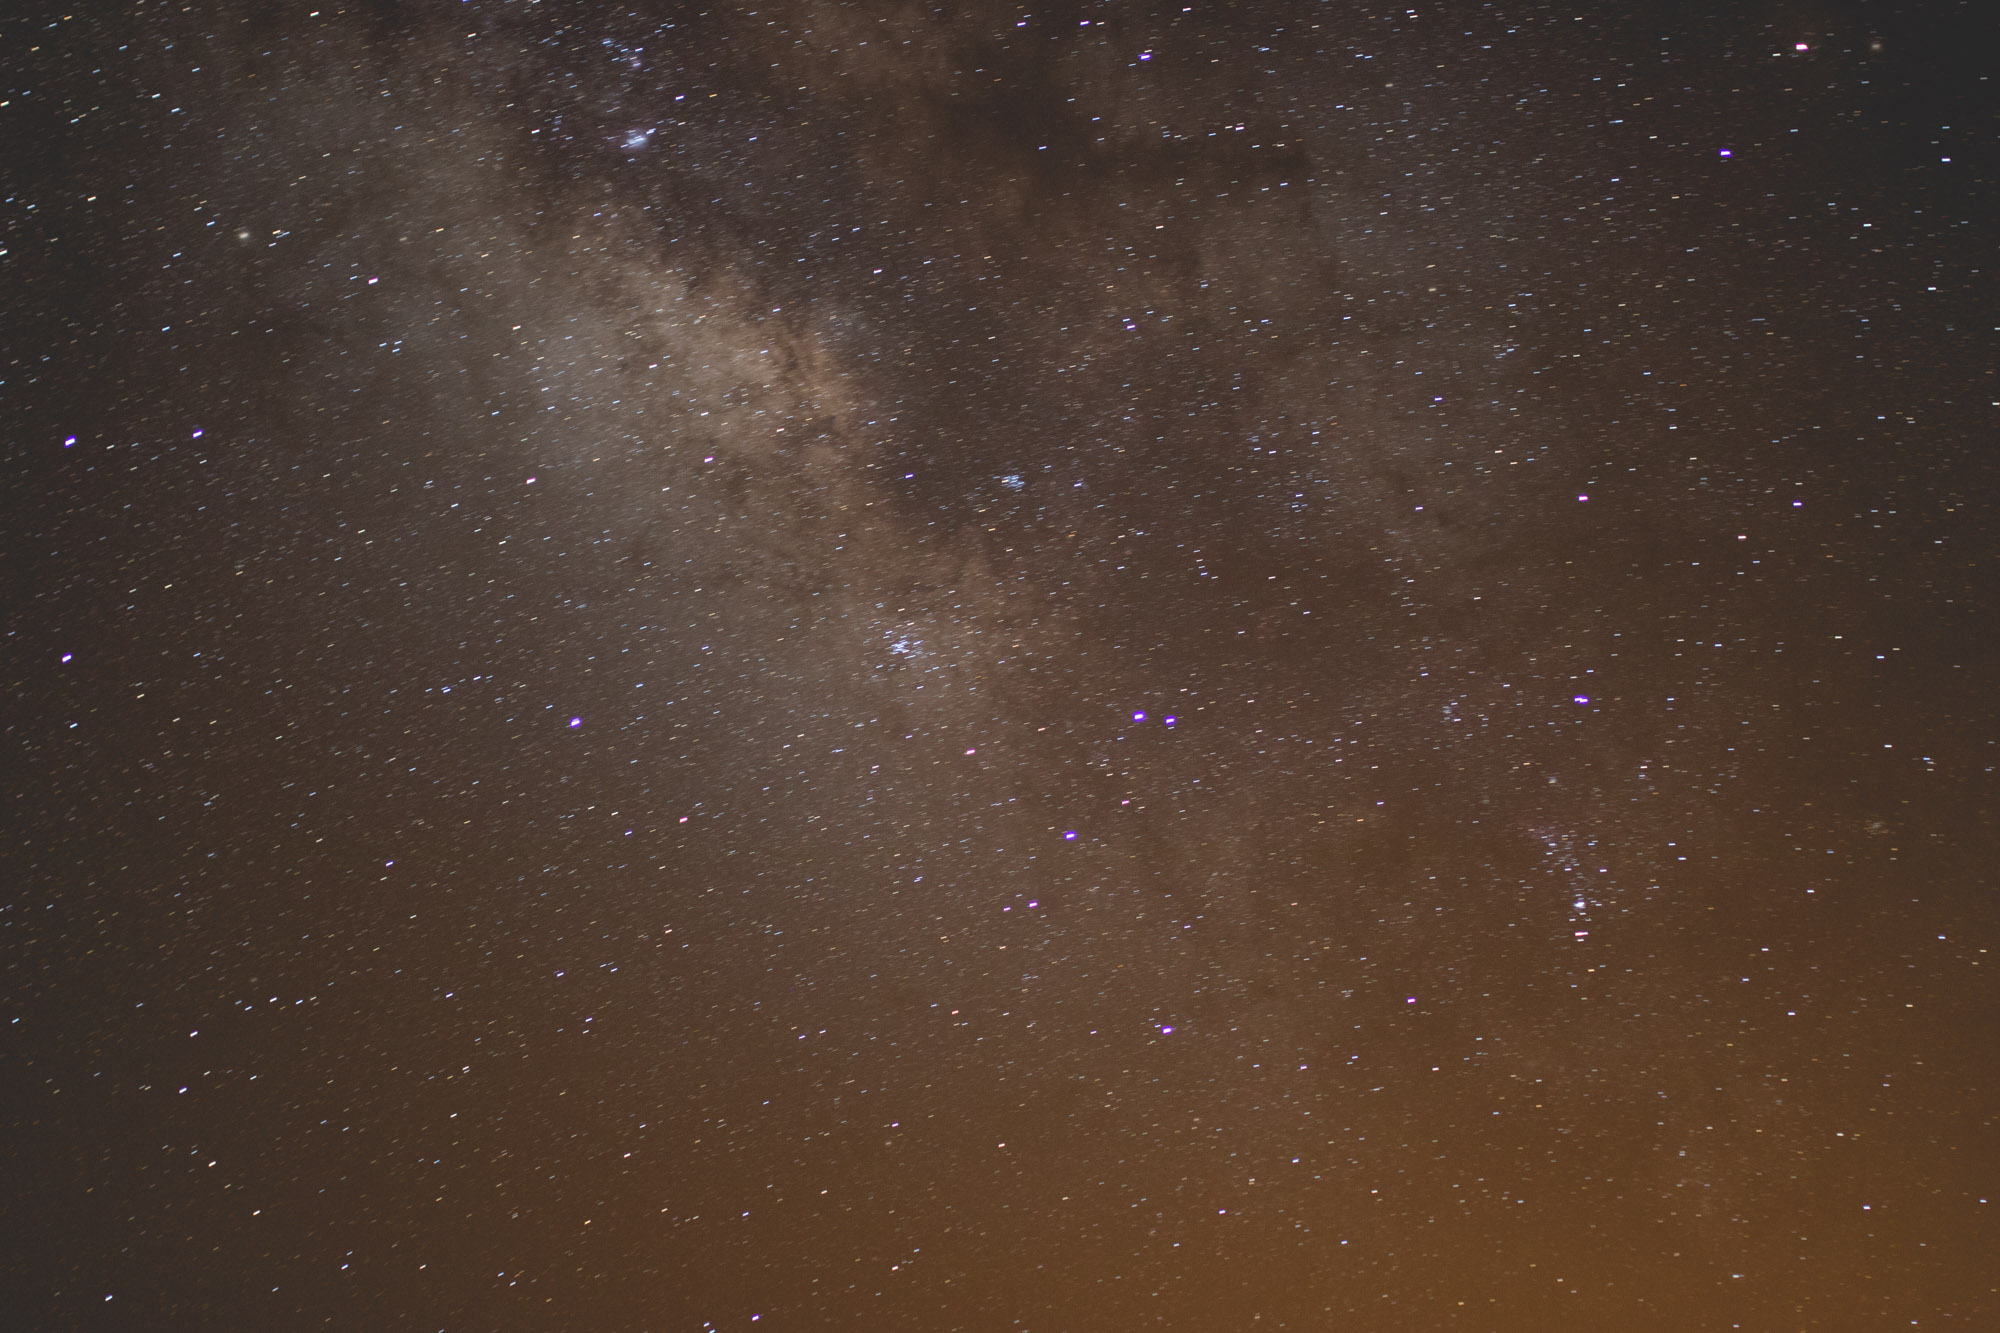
(1059, 668)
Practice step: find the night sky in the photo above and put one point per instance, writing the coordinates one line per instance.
(907, 666)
